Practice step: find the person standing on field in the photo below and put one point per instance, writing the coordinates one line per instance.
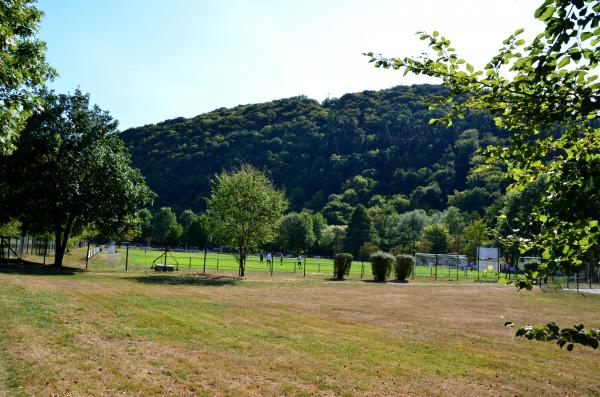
(299, 260)
(261, 258)
(269, 259)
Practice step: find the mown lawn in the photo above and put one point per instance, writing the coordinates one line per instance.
(108, 334)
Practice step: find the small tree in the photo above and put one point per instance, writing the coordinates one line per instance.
(476, 234)
(245, 210)
(381, 265)
(403, 266)
(187, 217)
(360, 230)
(341, 265)
(296, 232)
(163, 223)
(437, 238)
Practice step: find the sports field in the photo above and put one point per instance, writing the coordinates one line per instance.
(140, 333)
(140, 259)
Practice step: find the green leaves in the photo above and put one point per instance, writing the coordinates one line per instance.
(565, 336)
(24, 68)
(244, 208)
(545, 93)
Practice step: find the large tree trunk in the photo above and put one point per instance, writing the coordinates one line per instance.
(61, 238)
(59, 253)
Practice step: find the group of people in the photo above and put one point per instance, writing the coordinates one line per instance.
(269, 258)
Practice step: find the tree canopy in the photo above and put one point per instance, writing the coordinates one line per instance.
(70, 170)
(245, 210)
(23, 67)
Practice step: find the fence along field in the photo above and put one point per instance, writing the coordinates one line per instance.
(135, 258)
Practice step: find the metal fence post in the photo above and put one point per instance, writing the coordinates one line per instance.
(304, 268)
(126, 255)
(87, 255)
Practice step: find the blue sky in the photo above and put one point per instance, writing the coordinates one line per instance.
(150, 60)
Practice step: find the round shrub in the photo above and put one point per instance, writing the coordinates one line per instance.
(341, 265)
(381, 265)
(403, 266)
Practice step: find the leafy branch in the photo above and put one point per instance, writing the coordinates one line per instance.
(565, 336)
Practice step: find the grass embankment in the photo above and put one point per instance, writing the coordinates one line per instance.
(145, 334)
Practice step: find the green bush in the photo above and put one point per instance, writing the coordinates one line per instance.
(381, 264)
(341, 265)
(403, 266)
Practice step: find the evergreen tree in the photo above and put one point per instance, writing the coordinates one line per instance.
(360, 230)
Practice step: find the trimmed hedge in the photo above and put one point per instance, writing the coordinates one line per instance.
(403, 266)
(381, 265)
(341, 265)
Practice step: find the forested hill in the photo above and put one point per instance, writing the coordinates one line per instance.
(374, 147)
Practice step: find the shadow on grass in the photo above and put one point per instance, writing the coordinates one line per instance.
(387, 281)
(18, 266)
(186, 280)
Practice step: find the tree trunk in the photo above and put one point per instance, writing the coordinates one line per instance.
(61, 237)
(242, 261)
(59, 253)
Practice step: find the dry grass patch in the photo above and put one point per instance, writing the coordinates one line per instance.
(143, 334)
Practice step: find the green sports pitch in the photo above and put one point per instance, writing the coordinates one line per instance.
(143, 259)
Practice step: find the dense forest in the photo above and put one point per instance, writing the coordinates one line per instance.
(376, 148)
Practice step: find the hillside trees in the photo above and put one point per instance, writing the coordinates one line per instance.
(245, 210)
(329, 157)
(23, 66)
(70, 170)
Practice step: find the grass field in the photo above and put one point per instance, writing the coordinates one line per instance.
(140, 259)
(138, 333)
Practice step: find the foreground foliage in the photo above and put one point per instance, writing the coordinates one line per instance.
(23, 67)
(550, 102)
(565, 336)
